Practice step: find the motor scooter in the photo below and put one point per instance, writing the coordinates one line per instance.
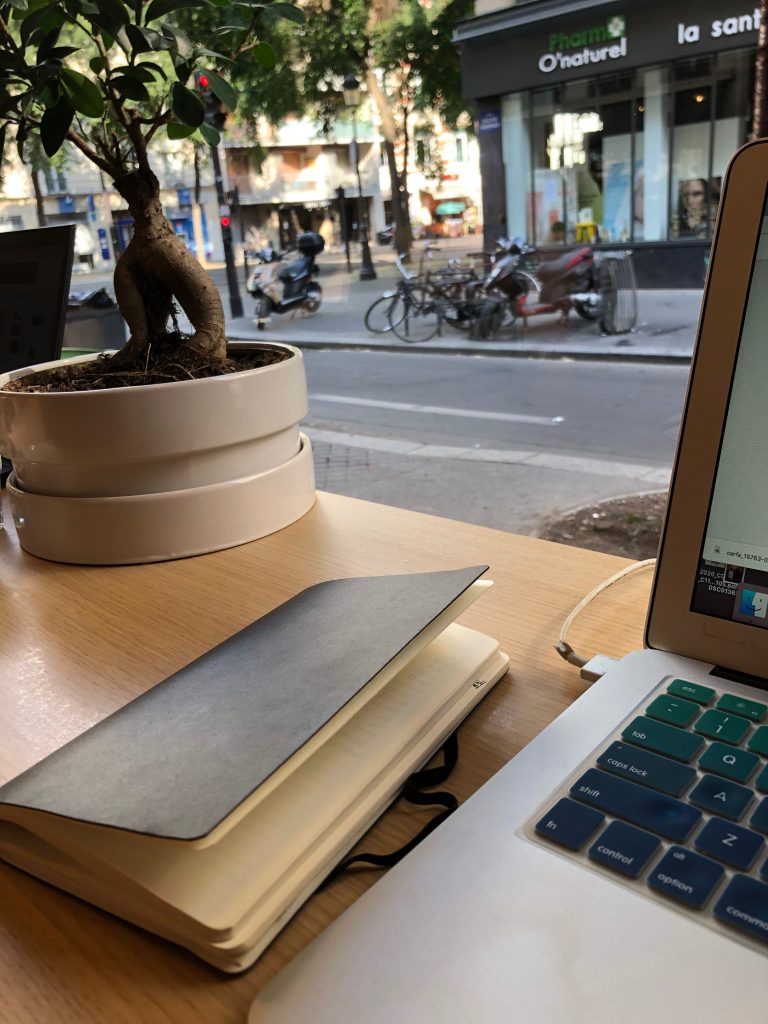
(570, 281)
(284, 287)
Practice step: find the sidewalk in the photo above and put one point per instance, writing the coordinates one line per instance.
(665, 330)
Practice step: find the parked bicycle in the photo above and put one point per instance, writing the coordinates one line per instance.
(422, 302)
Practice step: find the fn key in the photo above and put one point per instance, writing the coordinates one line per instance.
(569, 824)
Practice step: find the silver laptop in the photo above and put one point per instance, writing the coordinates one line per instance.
(617, 869)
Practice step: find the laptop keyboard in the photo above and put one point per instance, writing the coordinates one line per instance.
(678, 803)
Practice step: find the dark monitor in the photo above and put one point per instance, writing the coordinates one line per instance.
(35, 271)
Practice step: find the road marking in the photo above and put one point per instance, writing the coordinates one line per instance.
(440, 410)
(657, 475)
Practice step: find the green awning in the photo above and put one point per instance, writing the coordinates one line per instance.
(449, 208)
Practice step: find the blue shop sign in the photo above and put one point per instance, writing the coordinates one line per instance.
(489, 121)
(66, 204)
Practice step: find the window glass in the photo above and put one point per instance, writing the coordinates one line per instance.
(550, 217)
(734, 88)
(516, 149)
(691, 194)
(649, 195)
(612, 162)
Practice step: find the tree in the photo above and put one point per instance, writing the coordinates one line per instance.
(405, 54)
(74, 71)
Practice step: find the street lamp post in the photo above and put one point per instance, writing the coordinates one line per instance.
(351, 88)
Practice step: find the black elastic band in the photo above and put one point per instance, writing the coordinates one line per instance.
(413, 792)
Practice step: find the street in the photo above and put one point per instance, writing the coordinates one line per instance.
(477, 435)
(499, 442)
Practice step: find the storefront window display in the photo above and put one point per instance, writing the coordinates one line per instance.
(629, 157)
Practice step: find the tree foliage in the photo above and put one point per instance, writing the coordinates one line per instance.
(107, 75)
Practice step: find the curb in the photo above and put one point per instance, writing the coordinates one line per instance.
(681, 359)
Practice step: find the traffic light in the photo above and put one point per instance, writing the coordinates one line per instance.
(215, 115)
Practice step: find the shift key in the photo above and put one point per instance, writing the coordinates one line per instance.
(652, 811)
(663, 739)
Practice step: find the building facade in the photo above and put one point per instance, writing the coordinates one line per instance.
(77, 193)
(611, 122)
(290, 182)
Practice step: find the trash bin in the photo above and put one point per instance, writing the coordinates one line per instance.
(93, 321)
(618, 293)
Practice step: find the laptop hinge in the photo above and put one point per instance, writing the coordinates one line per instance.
(739, 677)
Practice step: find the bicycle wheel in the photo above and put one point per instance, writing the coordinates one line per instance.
(383, 313)
(420, 320)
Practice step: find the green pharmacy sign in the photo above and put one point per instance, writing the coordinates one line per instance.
(604, 42)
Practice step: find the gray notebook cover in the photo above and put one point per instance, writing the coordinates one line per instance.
(177, 760)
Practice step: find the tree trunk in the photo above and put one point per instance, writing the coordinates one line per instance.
(400, 215)
(34, 173)
(157, 267)
(760, 109)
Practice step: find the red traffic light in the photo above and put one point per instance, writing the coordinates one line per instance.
(226, 221)
(202, 81)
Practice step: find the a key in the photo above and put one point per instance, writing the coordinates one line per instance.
(744, 905)
(685, 876)
(729, 843)
(647, 769)
(655, 812)
(624, 848)
(721, 797)
(663, 739)
(569, 824)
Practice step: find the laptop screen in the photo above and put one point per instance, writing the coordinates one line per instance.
(35, 268)
(732, 577)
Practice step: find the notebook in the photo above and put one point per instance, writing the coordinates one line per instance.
(617, 868)
(208, 809)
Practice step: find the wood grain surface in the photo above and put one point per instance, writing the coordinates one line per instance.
(77, 643)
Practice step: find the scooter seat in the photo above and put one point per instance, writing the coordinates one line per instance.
(553, 268)
(293, 271)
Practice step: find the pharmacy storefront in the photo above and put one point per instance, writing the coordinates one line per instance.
(611, 123)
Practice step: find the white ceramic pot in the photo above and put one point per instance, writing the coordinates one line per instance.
(158, 471)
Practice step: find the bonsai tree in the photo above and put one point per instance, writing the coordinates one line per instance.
(107, 76)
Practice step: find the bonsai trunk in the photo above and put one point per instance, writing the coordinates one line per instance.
(157, 267)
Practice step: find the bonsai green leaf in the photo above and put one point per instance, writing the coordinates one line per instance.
(178, 40)
(141, 72)
(61, 52)
(21, 138)
(82, 7)
(110, 15)
(44, 18)
(97, 64)
(145, 40)
(286, 11)
(83, 94)
(209, 134)
(201, 51)
(265, 55)
(47, 43)
(130, 88)
(222, 90)
(153, 67)
(182, 68)
(186, 105)
(54, 126)
(158, 8)
(180, 131)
